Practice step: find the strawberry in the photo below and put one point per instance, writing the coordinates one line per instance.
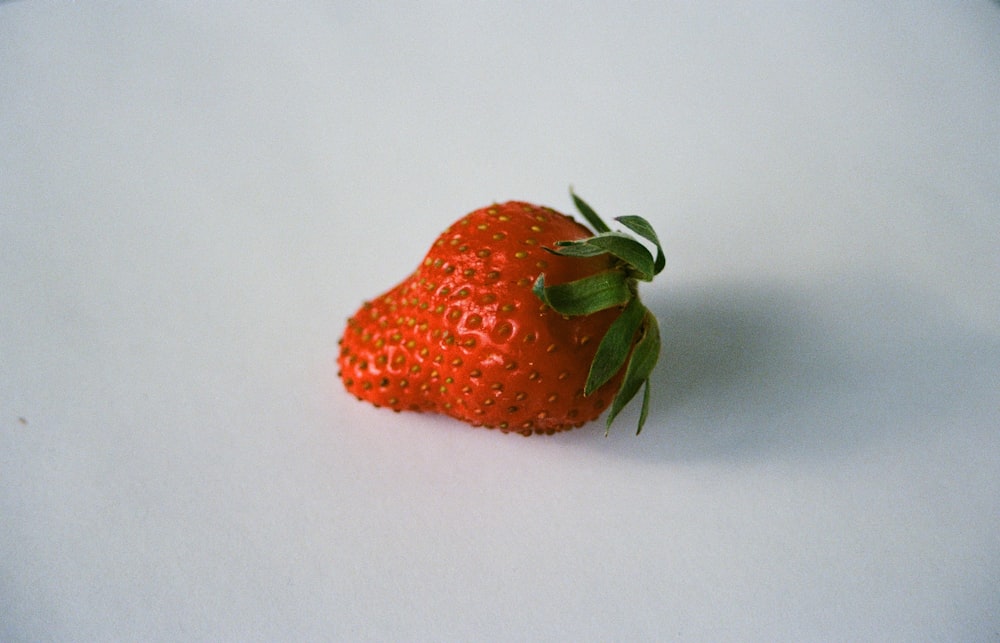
(519, 318)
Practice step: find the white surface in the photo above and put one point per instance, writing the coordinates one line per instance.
(192, 200)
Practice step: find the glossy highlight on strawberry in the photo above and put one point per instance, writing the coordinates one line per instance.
(476, 333)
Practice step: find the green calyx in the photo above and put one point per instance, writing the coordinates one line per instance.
(633, 339)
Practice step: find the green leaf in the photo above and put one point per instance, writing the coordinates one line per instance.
(587, 295)
(640, 366)
(644, 413)
(626, 248)
(588, 213)
(577, 249)
(615, 346)
(621, 245)
(642, 228)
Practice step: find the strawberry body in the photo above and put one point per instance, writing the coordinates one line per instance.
(517, 319)
(466, 336)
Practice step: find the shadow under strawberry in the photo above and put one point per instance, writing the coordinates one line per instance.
(811, 372)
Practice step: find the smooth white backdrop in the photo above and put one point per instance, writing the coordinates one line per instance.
(193, 198)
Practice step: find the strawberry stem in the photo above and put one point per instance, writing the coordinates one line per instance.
(633, 339)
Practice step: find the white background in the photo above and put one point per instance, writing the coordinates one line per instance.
(194, 197)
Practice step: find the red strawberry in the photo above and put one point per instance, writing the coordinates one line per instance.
(478, 332)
